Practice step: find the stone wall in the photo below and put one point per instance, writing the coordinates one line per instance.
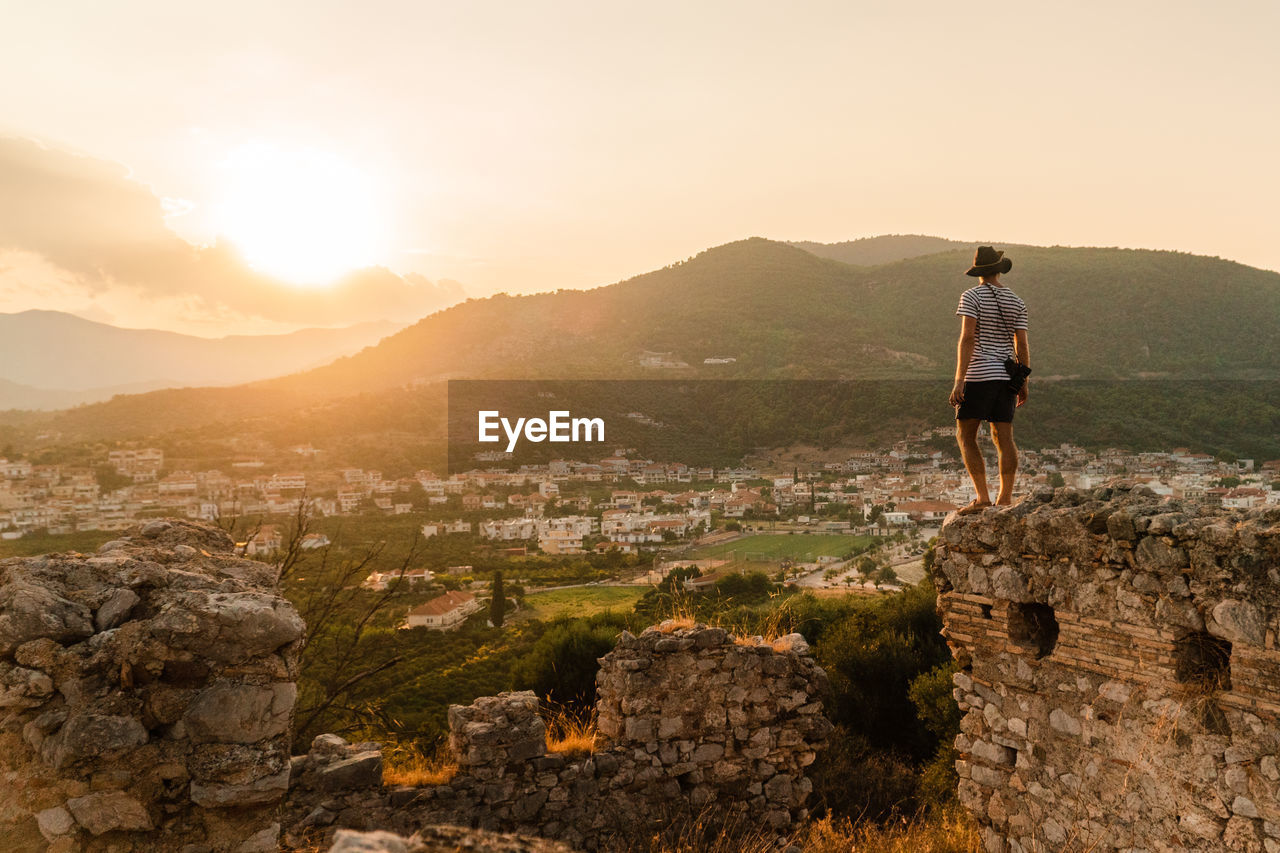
(695, 725)
(146, 696)
(1120, 673)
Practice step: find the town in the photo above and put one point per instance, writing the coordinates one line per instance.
(619, 501)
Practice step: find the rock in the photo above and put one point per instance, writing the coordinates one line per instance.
(1128, 599)
(1238, 622)
(794, 642)
(268, 789)
(240, 713)
(86, 736)
(115, 609)
(669, 724)
(109, 811)
(24, 688)
(153, 529)
(326, 746)
(380, 841)
(441, 839)
(230, 626)
(28, 612)
(264, 841)
(54, 822)
(1154, 553)
(111, 730)
(361, 771)
(1244, 807)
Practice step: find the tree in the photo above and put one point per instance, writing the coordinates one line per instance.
(1056, 480)
(109, 480)
(886, 575)
(343, 653)
(498, 605)
(562, 665)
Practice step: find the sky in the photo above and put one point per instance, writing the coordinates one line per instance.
(264, 166)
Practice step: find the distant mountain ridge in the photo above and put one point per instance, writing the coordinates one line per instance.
(874, 251)
(782, 312)
(51, 359)
(14, 395)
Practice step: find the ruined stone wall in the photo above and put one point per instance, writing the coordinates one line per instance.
(146, 696)
(1120, 673)
(693, 725)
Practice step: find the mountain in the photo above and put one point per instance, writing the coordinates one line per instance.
(14, 395)
(52, 353)
(785, 313)
(873, 251)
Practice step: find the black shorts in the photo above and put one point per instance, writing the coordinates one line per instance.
(988, 401)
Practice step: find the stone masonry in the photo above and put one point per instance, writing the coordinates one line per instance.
(695, 726)
(146, 696)
(1119, 672)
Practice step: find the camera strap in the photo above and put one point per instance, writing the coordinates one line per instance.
(1003, 322)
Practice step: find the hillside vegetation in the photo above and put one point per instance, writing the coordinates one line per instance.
(785, 313)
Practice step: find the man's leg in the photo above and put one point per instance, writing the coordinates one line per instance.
(967, 437)
(1002, 435)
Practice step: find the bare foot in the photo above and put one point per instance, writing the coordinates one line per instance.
(973, 506)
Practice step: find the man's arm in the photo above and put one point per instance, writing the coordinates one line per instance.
(1022, 351)
(964, 354)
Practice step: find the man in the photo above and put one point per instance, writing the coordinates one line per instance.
(993, 328)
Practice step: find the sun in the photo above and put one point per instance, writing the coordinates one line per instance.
(307, 216)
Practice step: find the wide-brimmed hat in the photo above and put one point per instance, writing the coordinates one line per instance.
(987, 261)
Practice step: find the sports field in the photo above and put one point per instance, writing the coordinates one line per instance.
(774, 547)
(582, 600)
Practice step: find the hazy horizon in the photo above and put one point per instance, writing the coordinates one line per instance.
(271, 168)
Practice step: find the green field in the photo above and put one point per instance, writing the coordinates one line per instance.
(772, 547)
(582, 601)
(44, 543)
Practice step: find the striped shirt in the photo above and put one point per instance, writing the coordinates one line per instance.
(986, 303)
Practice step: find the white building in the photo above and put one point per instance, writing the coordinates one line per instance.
(443, 612)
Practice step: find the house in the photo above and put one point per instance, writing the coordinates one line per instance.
(661, 360)
(443, 612)
(704, 582)
(313, 540)
(266, 540)
(621, 547)
(560, 542)
(381, 580)
(292, 480)
(349, 499)
(926, 510)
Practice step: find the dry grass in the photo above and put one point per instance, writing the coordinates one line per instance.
(767, 634)
(410, 765)
(951, 831)
(676, 623)
(569, 735)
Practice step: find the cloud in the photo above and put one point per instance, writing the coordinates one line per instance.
(100, 232)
